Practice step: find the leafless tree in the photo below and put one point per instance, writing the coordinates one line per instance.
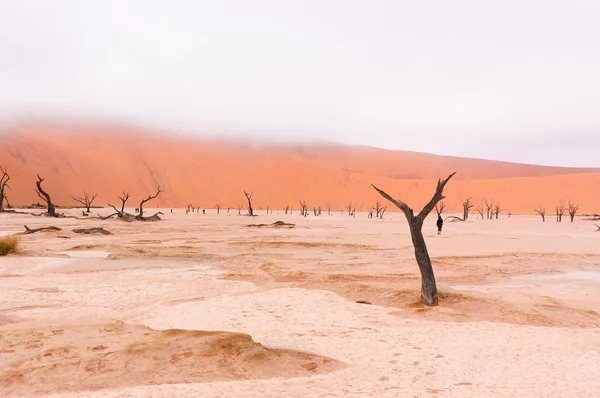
(4, 178)
(488, 208)
(429, 295)
(542, 212)
(466, 207)
(315, 211)
(439, 208)
(240, 207)
(8, 205)
(572, 210)
(149, 198)
(349, 208)
(560, 209)
(86, 200)
(496, 211)
(44, 196)
(319, 211)
(378, 208)
(382, 212)
(354, 212)
(480, 210)
(287, 208)
(218, 207)
(249, 198)
(303, 208)
(328, 209)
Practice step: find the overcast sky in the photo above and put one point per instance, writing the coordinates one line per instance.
(512, 80)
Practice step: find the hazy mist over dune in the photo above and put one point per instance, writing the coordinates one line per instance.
(514, 81)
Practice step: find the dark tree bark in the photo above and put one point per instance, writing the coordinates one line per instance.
(149, 198)
(44, 196)
(466, 207)
(92, 231)
(4, 178)
(86, 200)
(249, 198)
(542, 212)
(572, 210)
(560, 209)
(42, 229)
(429, 295)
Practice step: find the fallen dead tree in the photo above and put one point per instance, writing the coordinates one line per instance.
(276, 224)
(92, 231)
(123, 215)
(454, 219)
(42, 229)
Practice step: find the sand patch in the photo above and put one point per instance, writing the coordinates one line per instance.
(73, 358)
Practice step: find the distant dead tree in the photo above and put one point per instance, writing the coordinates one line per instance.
(349, 208)
(429, 295)
(149, 198)
(496, 211)
(439, 208)
(4, 178)
(354, 212)
(303, 208)
(218, 207)
(319, 211)
(560, 209)
(542, 212)
(480, 210)
(467, 206)
(287, 208)
(378, 208)
(382, 212)
(240, 207)
(249, 198)
(315, 211)
(86, 200)
(328, 209)
(572, 210)
(44, 196)
(488, 208)
(228, 208)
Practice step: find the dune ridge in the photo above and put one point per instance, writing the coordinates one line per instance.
(107, 159)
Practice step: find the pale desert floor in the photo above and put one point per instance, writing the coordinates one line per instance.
(205, 306)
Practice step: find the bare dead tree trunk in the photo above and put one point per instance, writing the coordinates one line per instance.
(328, 210)
(480, 211)
(240, 207)
(8, 205)
(319, 211)
(560, 209)
(249, 198)
(429, 295)
(218, 207)
(4, 179)
(86, 200)
(349, 208)
(287, 208)
(378, 208)
(44, 196)
(542, 212)
(488, 208)
(303, 208)
(466, 207)
(572, 210)
(149, 198)
(382, 212)
(497, 210)
(439, 208)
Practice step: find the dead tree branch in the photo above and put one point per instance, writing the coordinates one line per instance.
(429, 295)
(140, 216)
(249, 198)
(572, 210)
(42, 229)
(44, 196)
(560, 209)
(439, 208)
(92, 231)
(467, 206)
(4, 179)
(542, 212)
(86, 200)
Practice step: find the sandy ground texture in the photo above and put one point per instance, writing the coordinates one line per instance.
(206, 305)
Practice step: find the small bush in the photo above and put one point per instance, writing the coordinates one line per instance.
(8, 244)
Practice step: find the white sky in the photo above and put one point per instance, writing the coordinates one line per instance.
(463, 77)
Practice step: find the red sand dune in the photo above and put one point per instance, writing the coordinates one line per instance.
(107, 159)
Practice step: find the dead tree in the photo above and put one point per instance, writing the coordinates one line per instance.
(572, 210)
(8, 205)
(377, 208)
(4, 178)
(121, 213)
(240, 207)
(303, 208)
(287, 208)
(86, 200)
(488, 208)
(542, 212)
(496, 211)
(249, 198)
(328, 210)
(315, 211)
(560, 209)
(140, 216)
(44, 196)
(466, 207)
(319, 211)
(479, 209)
(429, 295)
(439, 208)
(218, 207)
(382, 212)
(349, 208)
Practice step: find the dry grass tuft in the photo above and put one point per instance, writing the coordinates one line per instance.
(8, 244)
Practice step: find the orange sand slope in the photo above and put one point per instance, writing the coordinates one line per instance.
(106, 159)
